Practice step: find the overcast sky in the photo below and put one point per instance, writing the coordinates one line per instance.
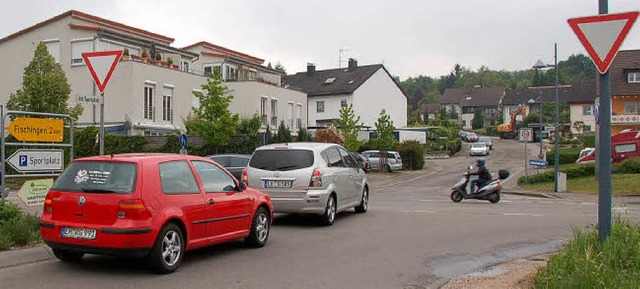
(411, 38)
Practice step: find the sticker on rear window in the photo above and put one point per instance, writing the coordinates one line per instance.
(99, 177)
(81, 177)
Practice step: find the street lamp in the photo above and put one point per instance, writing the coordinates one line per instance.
(539, 65)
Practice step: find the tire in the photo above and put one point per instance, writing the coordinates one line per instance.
(170, 241)
(259, 229)
(494, 198)
(329, 215)
(388, 168)
(67, 255)
(364, 202)
(456, 196)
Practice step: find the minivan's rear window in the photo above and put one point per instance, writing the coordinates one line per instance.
(98, 177)
(281, 160)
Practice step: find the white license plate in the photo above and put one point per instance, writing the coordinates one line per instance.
(278, 184)
(78, 233)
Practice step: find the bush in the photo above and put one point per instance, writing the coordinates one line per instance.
(628, 166)
(567, 155)
(9, 212)
(589, 141)
(412, 153)
(586, 263)
(16, 228)
(85, 143)
(573, 171)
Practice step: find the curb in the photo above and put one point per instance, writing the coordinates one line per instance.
(17, 257)
(531, 194)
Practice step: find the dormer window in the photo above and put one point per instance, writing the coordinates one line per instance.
(330, 80)
(468, 97)
(634, 77)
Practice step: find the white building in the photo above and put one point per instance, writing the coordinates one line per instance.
(369, 88)
(144, 96)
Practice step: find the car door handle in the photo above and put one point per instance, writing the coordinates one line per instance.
(211, 202)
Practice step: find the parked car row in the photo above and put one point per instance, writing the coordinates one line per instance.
(158, 206)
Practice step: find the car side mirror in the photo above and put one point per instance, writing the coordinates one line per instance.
(242, 186)
(360, 165)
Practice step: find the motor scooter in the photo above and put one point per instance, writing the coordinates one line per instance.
(489, 191)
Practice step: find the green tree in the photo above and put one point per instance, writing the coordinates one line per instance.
(478, 119)
(303, 135)
(212, 120)
(384, 132)
(348, 126)
(280, 67)
(249, 130)
(44, 87)
(283, 134)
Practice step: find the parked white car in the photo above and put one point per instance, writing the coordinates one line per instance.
(479, 149)
(394, 161)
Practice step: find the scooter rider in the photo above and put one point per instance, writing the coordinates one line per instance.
(482, 173)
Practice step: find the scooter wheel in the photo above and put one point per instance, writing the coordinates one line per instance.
(456, 196)
(494, 198)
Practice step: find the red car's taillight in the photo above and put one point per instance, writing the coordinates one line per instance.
(245, 177)
(132, 209)
(48, 206)
(316, 179)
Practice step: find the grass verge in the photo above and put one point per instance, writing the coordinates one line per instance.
(621, 185)
(586, 263)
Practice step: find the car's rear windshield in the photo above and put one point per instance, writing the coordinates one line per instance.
(98, 177)
(478, 145)
(281, 160)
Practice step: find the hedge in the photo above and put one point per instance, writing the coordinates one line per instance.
(567, 155)
(629, 166)
(412, 153)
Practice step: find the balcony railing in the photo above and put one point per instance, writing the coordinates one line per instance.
(625, 119)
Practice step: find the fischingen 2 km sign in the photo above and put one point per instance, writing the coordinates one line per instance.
(37, 129)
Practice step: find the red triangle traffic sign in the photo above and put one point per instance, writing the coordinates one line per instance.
(603, 35)
(101, 64)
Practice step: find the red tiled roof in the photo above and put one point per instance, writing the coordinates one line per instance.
(89, 18)
(227, 50)
(214, 54)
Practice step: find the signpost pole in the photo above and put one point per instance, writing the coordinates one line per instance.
(526, 163)
(604, 156)
(2, 154)
(102, 124)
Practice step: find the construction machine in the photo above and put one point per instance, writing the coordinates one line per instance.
(510, 130)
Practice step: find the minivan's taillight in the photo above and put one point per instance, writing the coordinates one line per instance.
(316, 179)
(132, 209)
(245, 177)
(48, 206)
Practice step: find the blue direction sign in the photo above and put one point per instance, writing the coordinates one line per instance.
(183, 140)
(538, 163)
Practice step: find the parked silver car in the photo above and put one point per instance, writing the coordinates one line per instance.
(487, 140)
(394, 161)
(479, 149)
(309, 178)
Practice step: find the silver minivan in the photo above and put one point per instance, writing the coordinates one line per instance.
(394, 160)
(309, 178)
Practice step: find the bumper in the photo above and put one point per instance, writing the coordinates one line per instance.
(481, 153)
(109, 240)
(314, 202)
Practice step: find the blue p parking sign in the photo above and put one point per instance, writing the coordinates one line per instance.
(23, 160)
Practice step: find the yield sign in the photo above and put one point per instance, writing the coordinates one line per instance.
(101, 65)
(603, 35)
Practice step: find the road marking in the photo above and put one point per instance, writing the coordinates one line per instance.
(409, 180)
(420, 211)
(523, 214)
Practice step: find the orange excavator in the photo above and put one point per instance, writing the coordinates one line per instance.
(510, 130)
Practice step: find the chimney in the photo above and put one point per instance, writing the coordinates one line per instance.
(311, 69)
(353, 64)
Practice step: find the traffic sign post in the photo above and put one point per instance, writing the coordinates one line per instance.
(30, 160)
(183, 144)
(37, 129)
(101, 65)
(602, 37)
(525, 135)
(538, 163)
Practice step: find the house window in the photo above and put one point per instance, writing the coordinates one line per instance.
(290, 113)
(263, 111)
(468, 110)
(231, 73)
(320, 106)
(298, 116)
(632, 107)
(208, 70)
(185, 65)
(634, 77)
(54, 48)
(274, 112)
(78, 47)
(149, 92)
(587, 128)
(343, 103)
(167, 104)
(587, 110)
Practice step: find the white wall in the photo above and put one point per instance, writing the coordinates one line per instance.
(377, 93)
(576, 114)
(331, 107)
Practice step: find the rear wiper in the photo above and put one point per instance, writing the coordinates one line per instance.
(96, 190)
(286, 167)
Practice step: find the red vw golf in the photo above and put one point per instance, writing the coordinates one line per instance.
(150, 205)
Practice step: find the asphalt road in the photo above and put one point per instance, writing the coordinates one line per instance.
(412, 237)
